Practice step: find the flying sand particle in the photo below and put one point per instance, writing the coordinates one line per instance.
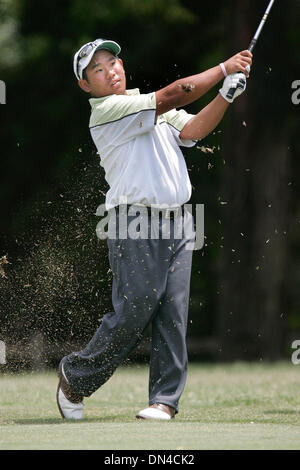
(206, 149)
(187, 87)
(3, 261)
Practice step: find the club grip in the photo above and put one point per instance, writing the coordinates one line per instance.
(252, 45)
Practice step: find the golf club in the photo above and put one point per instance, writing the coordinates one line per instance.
(254, 40)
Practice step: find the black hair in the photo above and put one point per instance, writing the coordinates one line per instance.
(84, 75)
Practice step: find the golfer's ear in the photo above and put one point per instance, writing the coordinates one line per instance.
(84, 85)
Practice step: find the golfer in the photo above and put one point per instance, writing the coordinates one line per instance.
(138, 138)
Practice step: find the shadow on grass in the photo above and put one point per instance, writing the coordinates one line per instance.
(105, 419)
(30, 421)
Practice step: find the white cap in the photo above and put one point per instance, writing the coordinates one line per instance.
(84, 55)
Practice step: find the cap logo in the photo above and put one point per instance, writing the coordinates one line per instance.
(87, 49)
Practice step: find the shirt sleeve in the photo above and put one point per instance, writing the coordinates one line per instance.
(128, 116)
(177, 120)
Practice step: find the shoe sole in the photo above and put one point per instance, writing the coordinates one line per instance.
(153, 419)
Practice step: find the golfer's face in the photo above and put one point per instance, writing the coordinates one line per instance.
(106, 75)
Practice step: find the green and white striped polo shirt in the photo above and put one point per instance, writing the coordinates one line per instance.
(141, 156)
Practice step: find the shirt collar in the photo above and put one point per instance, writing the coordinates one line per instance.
(96, 101)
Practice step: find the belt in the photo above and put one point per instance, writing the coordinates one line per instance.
(167, 213)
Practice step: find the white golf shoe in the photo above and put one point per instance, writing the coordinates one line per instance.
(70, 403)
(157, 411)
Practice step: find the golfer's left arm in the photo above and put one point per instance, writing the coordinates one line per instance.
(206, 120)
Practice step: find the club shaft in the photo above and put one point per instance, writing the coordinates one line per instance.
(254, 39)
(260, 27)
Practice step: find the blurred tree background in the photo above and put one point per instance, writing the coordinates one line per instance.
(244, 302)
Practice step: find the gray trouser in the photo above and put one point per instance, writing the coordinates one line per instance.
(151, 282)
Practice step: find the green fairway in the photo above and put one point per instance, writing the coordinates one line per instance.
(239, 406)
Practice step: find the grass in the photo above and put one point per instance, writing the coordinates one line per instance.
(238, 406)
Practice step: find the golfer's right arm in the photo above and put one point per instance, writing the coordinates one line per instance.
(186, 90)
